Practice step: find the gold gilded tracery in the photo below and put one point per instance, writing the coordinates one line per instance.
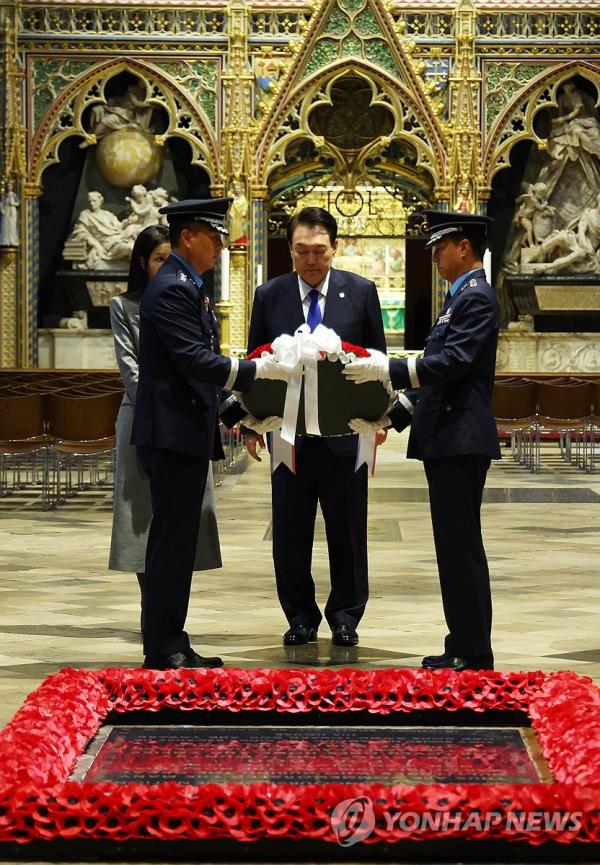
(64, 118)
(349, 164)
(516, 122)
(252, 87)
(345, 39)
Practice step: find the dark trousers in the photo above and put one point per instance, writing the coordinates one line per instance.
(177, 485)
(342, 493)
(455, 493)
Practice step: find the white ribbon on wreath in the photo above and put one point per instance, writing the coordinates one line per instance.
(300, 354)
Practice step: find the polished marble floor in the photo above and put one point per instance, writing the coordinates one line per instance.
(60, 606)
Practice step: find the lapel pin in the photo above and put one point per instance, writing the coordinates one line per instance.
(342, 294)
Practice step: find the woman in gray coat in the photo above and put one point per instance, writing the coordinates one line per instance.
(132, 508)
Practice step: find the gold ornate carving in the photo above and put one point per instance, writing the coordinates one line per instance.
(402, 91)
(224, 309)
(236, 146)
(12, 167)
(363, 212)
(64, 118)
(464, 172)
(9, 307)
(238, 289)
(32, 190)
(13, 131)
(237, 83)
(516, 121)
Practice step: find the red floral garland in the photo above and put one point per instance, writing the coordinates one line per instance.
(41, 744)
(356, 350)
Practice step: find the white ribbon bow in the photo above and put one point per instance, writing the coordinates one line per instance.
(300, 354)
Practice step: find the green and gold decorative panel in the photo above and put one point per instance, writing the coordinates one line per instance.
(49, 79)
(277, 24)
(424, 25)
(540, 25)
(92, 21)
(503, 81)
(352, 30)
(199, 79)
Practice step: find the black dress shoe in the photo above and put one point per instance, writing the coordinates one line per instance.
(448, 662)
(299, 635)
(344, 635)
(188, 660)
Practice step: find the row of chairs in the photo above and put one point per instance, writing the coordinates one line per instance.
(21, 382)
(60, 439)
(563, 410)
(57, 434)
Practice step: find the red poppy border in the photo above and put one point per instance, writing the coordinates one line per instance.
(40, 745)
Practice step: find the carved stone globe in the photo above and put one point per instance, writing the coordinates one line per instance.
(128, 156)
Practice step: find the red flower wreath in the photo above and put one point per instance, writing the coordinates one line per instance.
(356, 350)
(42, 743)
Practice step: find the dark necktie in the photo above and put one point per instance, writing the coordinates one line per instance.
(314, 316)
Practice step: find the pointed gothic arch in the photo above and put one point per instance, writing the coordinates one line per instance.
(290, 120)
(516, 122)
(63, 118)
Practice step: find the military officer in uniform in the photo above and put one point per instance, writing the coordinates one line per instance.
(175, 422)
(448, 403)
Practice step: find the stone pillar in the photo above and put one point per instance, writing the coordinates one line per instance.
(258, 272)
(238, 322)
(224, 308)
(9, 323)
(29, 283)
(439, 286)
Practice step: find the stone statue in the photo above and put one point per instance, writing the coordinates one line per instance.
(160, 198)
(556, 225)
(238, 224)
(9, 204)
(560, 251)
(574, 138)
(588, 229)
(533, 204)
(143, 209)
(98, 237)
(119, 112)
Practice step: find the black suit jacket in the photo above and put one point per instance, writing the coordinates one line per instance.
(453, 413)
(352, 310)
(180, 375)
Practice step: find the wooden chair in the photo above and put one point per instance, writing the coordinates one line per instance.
(514, 404)
(23, 443)
(592, 436)
(83, 429)
(563, 413)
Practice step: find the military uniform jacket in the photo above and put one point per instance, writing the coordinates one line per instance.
(452, 382)
(181, 372)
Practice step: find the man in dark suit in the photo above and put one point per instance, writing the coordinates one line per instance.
(325, 467)
(175, 422)
(448, 404)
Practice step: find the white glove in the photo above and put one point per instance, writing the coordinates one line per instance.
(264, 425)
(267, 367)
(373, 368)
(366, 427)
